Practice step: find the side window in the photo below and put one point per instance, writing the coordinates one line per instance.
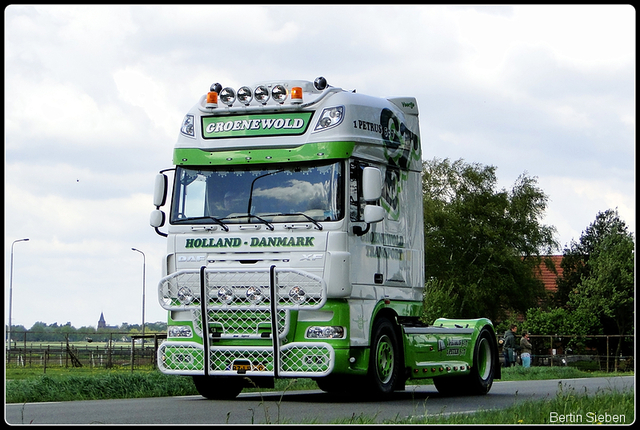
(356, 202)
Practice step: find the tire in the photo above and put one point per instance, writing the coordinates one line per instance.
(480, 379)
(341, 384)
(484, 358)
(385, 366)
(218, 388)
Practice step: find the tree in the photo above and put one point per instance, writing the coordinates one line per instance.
(576, 256)
(482, 245)
(608, 291)
(595, 294)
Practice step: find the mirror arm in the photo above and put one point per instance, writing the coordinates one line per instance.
(358, 231)
(161, 233)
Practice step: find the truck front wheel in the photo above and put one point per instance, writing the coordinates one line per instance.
(384, 365)
(218, 388)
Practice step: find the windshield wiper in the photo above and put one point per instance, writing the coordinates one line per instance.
(269, 225)
(316, 223)
(214, 219)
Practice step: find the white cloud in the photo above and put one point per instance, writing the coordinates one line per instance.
(574, 203)
(146, 92)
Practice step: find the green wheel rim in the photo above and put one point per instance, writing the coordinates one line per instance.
(384, 359)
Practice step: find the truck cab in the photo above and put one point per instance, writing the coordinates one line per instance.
(295, 245)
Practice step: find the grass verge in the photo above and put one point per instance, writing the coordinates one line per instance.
(568, 407)
(104, 385)
(76, 384)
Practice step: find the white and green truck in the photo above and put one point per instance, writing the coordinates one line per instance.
(295, 247)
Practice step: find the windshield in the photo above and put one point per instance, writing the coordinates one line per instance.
(259, 194)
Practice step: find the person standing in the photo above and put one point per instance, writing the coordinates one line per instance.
(509, 346)
(526, 348)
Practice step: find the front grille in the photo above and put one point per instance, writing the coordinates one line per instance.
(248, 289)
(296, 360)
(238, 303)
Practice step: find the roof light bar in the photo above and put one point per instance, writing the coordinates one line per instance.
(261, 94)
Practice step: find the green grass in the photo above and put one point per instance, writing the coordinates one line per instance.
(101, 385)
(64, 384)
(604, 407)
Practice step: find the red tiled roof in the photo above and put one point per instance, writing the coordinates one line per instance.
(547, 276)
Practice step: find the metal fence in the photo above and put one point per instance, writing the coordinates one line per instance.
(122, 350)
(589, 353)
(112, 350)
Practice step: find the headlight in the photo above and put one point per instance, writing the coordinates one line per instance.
(330, 117)
(179, 331)
(297, 295)
(187, 126)
(331, 332)
(185, 296)
(254, 294)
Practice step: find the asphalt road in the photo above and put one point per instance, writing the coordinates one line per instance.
(296, 406)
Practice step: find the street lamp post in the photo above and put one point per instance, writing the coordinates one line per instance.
(144, 261)
(11, 288)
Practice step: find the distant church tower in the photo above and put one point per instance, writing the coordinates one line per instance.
(101, 322)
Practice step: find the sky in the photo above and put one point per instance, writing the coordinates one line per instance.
(95, 95)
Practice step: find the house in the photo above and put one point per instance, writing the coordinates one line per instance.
(547, 277)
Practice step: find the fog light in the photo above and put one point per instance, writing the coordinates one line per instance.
(225, 295)
(254, 294)
(185, 296)
(279, 93)
(228, 96)
(297, 295)
(244, 95)
(261, 94)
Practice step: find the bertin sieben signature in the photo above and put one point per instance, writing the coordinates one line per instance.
(587, 418)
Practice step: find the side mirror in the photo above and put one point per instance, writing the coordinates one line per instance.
(160, 190)
(371, 191)
(371, 184)
(157, 218)
(373, 214)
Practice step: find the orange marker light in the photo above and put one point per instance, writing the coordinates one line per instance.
(212, 97)
(296, 95)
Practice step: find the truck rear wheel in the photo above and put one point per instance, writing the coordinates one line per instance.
(480, 378)
(483, 371)
(218, 388)
(385, 367)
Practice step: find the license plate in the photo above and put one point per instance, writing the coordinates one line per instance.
(241, 367)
